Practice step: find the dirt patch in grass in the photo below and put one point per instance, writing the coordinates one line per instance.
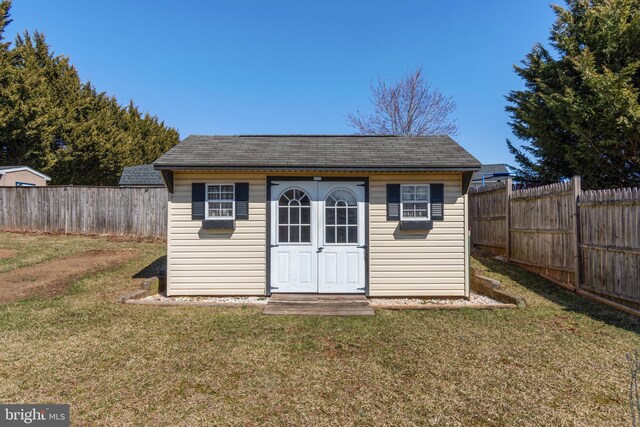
(53, 277)
(7, 253)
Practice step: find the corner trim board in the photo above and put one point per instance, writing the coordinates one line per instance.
(167, 176)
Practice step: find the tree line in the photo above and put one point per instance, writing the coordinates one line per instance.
(53, 122)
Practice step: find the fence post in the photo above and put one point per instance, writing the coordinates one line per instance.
(507, 221)
(577, 189)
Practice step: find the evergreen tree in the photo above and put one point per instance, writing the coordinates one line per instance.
(580, 110)
(52, 121)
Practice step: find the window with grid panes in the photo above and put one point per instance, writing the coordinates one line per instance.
(294, 217)
(415, 202)
(220, 201)
(341, 217)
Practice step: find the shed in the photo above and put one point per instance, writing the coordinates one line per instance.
(22, 176)
(384, 216)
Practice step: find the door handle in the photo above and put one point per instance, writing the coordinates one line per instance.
(320, 249)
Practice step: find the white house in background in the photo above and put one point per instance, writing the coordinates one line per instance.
(257, 215)
(22, 176)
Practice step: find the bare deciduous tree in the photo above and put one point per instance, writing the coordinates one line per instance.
(408, 107)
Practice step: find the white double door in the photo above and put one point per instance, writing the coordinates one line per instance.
(317, 237)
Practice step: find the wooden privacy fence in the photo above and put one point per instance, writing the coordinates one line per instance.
(488, 208)
(122, 211)
(542, 230)
(610, 244)
(588, 242)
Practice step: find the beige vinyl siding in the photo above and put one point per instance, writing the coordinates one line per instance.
(208, 262)
(416, 263)
(400, 263)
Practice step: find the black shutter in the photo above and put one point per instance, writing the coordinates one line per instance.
(198, 191)
(437, 202)
(393, 202)
(242, 200)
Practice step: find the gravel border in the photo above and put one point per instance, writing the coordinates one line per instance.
(474, 299)
(227, 301)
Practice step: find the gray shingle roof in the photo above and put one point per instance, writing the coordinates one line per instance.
(141, 175)
(318, 152)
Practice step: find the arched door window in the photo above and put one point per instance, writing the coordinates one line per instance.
(341, 217)
(294, 217)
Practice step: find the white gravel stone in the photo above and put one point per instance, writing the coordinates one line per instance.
(227, 300)
(473, 299)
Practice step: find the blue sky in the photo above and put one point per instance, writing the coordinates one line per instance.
(274, 67)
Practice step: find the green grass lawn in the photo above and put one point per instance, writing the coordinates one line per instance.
(559, 362)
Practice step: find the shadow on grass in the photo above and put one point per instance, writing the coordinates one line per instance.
(560, 296)
(157, 268)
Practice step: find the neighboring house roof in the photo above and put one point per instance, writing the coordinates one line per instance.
(141, 175)
(8, 169)
(319, 152)
(491, 173)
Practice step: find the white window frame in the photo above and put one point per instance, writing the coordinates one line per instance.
(402, 202)
(346, 225)
(232, 201)
(310, 225)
